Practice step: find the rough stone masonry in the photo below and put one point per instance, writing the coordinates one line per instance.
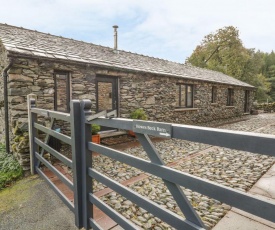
(157, 95)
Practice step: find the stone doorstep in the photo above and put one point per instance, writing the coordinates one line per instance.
(112, 134)
(116, 140)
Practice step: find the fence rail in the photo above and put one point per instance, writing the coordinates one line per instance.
(81, 119)
(244, 141)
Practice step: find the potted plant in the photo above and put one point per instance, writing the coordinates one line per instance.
(138, 114)
(95, 136)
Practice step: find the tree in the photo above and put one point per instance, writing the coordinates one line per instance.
(263, 88)
(268, 70)
(252, 66)
(223, 51)
(272, 87)
(271, 71)
(269, 61)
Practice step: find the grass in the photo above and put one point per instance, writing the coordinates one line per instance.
(10, 169)
(15, 196)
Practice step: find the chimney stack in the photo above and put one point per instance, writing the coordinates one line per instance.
(115, 36)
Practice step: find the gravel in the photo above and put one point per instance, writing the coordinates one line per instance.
(235, 169)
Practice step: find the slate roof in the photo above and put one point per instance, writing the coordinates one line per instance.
(18, 40)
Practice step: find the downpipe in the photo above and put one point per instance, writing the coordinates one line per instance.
(6, 108)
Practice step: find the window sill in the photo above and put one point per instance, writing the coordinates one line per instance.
(246, 113)
(230, 106)
(186, 109)
(214, 103)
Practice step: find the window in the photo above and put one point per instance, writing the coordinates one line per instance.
(230, 97)
(61, 91)
(214, 94)
(185, 98)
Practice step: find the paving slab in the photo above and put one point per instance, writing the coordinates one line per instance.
(253, 217)
(238, 219)
(235, 221)
(266, 185)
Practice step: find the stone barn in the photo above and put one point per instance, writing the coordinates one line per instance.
(59, 69)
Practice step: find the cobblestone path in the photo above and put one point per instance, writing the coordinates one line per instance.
(236, 169)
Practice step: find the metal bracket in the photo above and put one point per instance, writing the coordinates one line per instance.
(104, 114)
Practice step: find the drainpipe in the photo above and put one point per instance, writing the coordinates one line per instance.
(7, 133)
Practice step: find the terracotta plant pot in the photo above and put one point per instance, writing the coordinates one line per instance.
(96, 138)
(131, 133)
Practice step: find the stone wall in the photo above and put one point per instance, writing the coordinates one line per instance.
(155, 94)
(32, 76)
(3, 64)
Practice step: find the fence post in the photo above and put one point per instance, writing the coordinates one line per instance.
(86, 157)
(32, 117)
(76, 136)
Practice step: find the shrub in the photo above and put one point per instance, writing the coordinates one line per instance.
(95, 129)
(10, 169)
(138, 114)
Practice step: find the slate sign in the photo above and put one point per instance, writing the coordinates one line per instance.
(152, 128)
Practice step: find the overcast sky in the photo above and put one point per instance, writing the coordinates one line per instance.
(168, 29)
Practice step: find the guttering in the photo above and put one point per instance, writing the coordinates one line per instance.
(7, 131)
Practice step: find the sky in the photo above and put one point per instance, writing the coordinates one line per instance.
(167, 29)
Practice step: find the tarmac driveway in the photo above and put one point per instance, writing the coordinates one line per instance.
(30, 204)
